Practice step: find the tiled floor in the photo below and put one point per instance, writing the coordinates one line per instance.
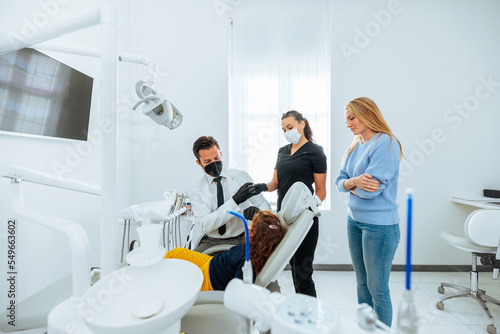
(460, 316)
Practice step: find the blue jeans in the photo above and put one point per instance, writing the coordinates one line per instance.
(372, 249)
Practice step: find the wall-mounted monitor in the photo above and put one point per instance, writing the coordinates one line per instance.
(40, 95)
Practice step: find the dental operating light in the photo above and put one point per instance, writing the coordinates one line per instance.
(156, 106)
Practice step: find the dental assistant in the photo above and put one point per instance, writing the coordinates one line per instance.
(369, 173)
(302, 160)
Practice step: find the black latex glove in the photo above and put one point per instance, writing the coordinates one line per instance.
(245, 192)
(260, 187)
(249, 212)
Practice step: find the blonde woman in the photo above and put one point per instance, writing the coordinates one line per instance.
(369, 173)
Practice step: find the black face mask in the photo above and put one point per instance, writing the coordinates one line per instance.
(214, 168)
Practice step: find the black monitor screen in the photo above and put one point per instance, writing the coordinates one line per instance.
(42, 96)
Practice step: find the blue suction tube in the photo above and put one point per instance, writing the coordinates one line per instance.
(247, 235)
(408, 267)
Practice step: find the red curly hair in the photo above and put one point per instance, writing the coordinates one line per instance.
(266, 232)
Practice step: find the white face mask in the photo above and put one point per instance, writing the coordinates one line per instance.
(293, 136)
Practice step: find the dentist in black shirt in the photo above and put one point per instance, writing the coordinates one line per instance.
(302, 160)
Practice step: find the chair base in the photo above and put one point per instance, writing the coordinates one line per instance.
(473, 292)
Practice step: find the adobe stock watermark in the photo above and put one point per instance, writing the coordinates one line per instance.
(224, 7)
(429, 313)
(76, 154)
(326, 248)
(266, 136)
(38, 20)
(453, 117)
(89, 307)
(373, 28)
(262, 312)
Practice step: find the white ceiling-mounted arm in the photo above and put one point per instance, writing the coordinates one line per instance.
(30, 175)
(85, 19)
(96, 53)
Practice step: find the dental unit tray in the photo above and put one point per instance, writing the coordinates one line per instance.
(157, 211)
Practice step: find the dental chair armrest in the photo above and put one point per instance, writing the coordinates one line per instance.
(217, 249)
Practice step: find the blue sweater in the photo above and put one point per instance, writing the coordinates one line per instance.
(380, 159)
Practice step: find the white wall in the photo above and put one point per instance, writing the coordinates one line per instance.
(189, 40)
(428, 58)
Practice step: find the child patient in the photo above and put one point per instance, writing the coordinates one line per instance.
(266, 233)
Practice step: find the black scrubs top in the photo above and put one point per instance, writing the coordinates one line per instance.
(300, 166)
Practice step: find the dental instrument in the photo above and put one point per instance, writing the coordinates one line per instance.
(407, 314)
(167, 211)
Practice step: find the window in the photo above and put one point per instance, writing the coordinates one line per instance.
(280, 55)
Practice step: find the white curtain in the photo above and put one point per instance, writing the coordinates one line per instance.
(280, 60)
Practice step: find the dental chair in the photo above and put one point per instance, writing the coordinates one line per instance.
(209, 315)
(482, 236)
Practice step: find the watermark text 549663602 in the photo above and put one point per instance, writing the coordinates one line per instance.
(11, 273)
(363, 36)
(31, 24)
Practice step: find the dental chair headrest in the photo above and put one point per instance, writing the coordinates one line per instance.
(297, 198)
